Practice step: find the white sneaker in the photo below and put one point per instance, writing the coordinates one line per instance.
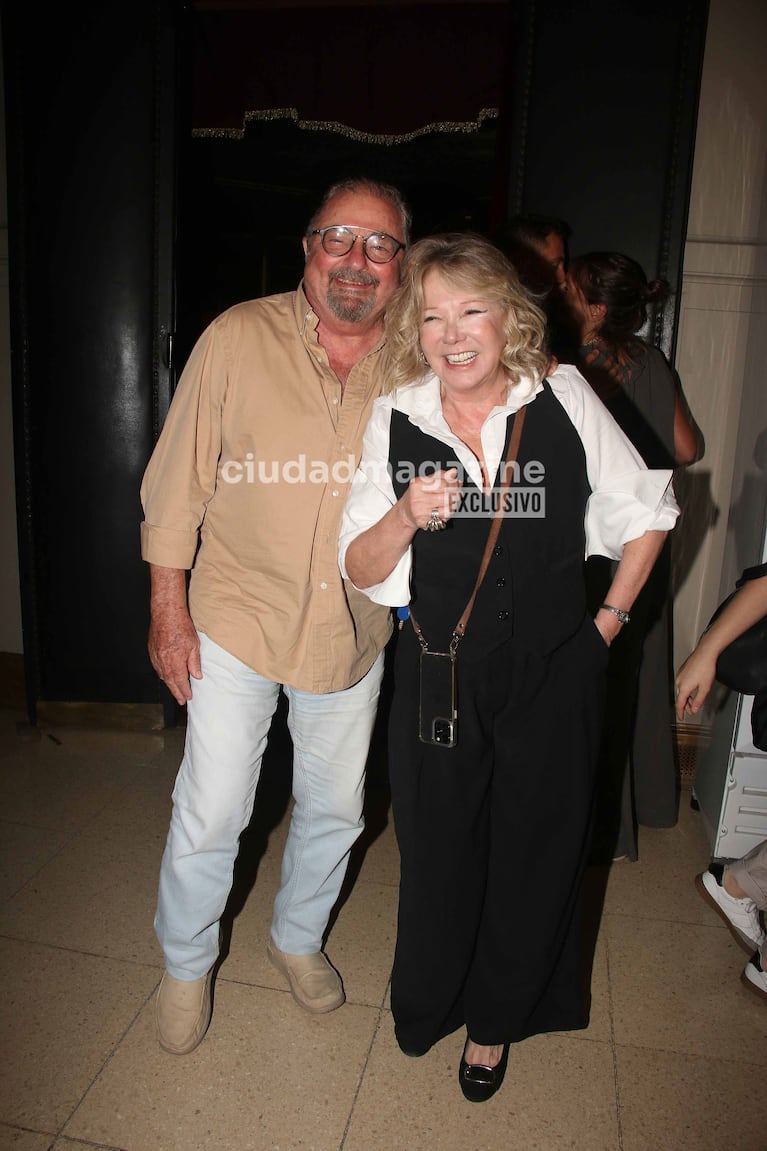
(740, 915)
(754, 977)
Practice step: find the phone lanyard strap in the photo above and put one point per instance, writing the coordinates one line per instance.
(511, 455)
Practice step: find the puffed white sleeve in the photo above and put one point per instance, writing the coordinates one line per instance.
(370, 497)
(627, 498)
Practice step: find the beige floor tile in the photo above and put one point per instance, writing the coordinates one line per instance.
(676, 988)
(362, 942)
(381, 861)
(23, 851)
(558, 1093)
(112, 866)
(687, 1103)
(265, 1077)
(14, 1139)
(61, 1015)
(87, 816)
(75, 1145)
(64, 780)
(360, 945)
(361, 936)
(660, 885)
(245, 954)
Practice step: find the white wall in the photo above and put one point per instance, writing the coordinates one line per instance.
(722, 347)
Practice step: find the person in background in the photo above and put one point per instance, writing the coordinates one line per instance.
(537, 248)
(608, 296)
(738, 891)
(492, 811)
(246, 487)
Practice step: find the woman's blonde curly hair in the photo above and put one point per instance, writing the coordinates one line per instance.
(469, 261)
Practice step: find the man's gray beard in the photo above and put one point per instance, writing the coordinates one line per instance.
(351, 309)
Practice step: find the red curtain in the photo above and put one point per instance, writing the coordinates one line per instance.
(381, 73)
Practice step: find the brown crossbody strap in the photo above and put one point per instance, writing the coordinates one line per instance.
(495, 527)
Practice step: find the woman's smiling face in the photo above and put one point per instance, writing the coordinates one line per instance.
(462, 337)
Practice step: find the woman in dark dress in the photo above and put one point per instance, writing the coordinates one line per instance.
(608, 297)
(493, 826)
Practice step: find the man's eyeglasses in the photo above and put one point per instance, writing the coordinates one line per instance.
(377, 246)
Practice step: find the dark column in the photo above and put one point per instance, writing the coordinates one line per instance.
(603, 125)
(90, 183)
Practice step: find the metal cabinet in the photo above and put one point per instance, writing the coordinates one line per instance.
(731, 782)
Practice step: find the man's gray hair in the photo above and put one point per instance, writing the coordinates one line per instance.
(367, 187)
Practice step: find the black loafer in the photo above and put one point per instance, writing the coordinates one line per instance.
(479, 1082)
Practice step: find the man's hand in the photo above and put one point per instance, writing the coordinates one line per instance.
(174, 647)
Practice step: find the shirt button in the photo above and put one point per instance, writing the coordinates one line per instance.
(334, 492)
(497, 551)
(324, 586)
(503, 615)
(335, 399)
(501, 581)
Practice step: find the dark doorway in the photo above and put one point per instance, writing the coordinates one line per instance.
(244, 203)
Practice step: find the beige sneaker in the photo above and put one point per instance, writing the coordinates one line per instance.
(314, 984)
(183, 1013)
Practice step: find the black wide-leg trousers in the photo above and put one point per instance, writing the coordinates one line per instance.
(494, 837)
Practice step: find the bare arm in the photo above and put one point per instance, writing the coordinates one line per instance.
(698, 672)
(174, 647)
(374, 554)
(688, 443)
(636, 563)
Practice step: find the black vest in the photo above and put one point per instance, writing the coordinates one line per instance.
(533, 589)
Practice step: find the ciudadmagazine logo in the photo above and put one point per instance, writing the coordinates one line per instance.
(519, 491)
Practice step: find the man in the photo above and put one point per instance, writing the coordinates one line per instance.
(537, 247)
(246, 488)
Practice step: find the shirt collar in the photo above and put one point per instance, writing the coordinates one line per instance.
(422, 399)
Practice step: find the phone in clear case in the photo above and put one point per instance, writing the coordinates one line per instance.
(438, 710)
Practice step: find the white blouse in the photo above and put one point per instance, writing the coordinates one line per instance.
(627, 498)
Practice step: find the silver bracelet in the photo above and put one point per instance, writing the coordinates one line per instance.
(622, 615)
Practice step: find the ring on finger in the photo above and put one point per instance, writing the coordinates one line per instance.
(434, 523)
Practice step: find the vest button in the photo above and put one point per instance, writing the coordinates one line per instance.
(503, 615)
(501, 581)
(498, 550)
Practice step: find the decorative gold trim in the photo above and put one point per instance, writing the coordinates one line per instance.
(344, 129)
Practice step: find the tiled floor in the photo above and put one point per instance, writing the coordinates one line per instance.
(675, 1057)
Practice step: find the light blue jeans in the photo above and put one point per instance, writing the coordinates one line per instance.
(228, 722)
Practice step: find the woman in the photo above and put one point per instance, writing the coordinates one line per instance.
(608, 296)
(493, 831)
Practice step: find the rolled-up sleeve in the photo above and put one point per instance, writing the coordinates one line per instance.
(370, 497)
(180, 478)
(627, 498)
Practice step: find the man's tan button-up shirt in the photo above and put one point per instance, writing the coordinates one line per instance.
(246, 486)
